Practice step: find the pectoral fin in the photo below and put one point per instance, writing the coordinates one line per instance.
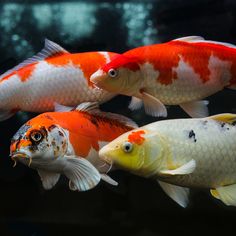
(153, 106)
(108, 179)
(81, 173)
(185, 169)
(196, 109)
(49, 179)
(6, 114)
(135, 103)
(227, 194)
(177, 193)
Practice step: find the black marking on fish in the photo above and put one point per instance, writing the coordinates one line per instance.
(20, 133)
(50, 128)
(48, 117)
(222, 125)
(192, 135)
(94, 121)
(234, 123)
(60, 133)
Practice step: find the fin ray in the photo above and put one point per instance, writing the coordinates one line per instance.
(176, 193)
(82, 174)
(153, 106)
(50, 48)
(196, 109)
(49, 179)
(185, 169)
(227, 194)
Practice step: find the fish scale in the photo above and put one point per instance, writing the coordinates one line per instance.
(52, 76)
(181, 154)
(219, 153)
(180, 72)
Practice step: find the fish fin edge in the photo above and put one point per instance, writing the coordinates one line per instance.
(227, 194)
(185, 169)
(49, 179)
(179, 194)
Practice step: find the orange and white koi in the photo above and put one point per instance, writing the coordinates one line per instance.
(180, 72)
(67, 143)
(52, 76)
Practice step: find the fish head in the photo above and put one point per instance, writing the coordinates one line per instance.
(133, 151)
(121, 75)
(38, 141)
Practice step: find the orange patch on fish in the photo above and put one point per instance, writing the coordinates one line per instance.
(135, 137)
(85, 130)
(81, 60)
(196, 55)
(25, 72)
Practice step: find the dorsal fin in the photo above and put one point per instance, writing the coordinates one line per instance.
(199, 39)
(50, 49)
(226, 117)
(190, 39)
(93, 108)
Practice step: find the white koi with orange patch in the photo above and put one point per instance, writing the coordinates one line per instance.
(52, 76)
(181, 154)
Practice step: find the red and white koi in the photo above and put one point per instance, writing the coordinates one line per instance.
(180, 72)
(52, 76)
(56, 143)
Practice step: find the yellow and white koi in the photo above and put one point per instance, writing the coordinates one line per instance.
(181, 154)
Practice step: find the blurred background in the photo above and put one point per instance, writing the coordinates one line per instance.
(137, 207)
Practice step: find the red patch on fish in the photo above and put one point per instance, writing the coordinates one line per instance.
(135, 137)
(122, 61)
(25, 72)
(166, 57)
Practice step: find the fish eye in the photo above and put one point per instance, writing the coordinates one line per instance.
(112, 73)
(36, 136)
(127, 147)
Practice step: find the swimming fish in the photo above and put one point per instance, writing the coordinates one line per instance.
(181, 154)
(52, 76)
(67, 143)
(180, 72)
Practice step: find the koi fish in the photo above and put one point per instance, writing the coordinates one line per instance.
(67, 143)
(180, 72)
(52, 76)
(181, 154)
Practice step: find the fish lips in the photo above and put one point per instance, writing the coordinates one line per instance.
(20, 156)
(97, 78)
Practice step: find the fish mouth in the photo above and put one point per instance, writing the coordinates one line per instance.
(97, 79)
(21, 156)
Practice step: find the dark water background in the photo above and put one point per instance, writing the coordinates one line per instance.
(137, 207)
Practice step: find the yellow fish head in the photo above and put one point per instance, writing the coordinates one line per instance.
(134, 152)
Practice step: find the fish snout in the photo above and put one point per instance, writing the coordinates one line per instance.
(103, 156)
(22, 157)
(97, 78)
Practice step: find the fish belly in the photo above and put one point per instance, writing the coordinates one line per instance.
(186, 84)
(48, 84)
(210, 143)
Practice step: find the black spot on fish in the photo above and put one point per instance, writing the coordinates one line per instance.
(192, 135)
(94, 121)
(50, 128)
(234, 123)
(222, 125)
(60, 133)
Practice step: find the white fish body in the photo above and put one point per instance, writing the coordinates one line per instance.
(52, 76)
